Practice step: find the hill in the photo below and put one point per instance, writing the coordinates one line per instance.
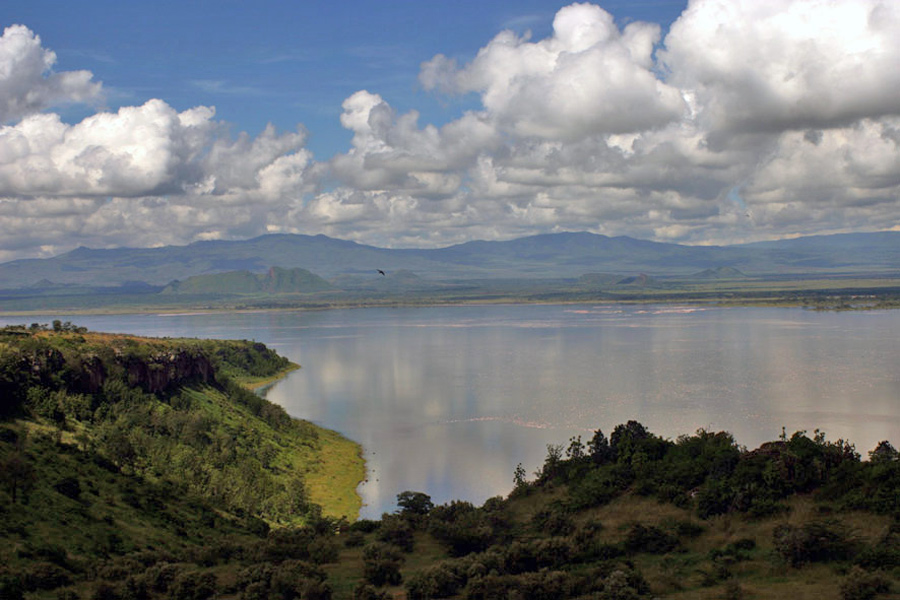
(719, 273)
(173, 412)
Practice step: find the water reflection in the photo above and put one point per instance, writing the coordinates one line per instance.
(448, 400)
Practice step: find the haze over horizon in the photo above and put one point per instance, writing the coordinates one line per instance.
(428, 125)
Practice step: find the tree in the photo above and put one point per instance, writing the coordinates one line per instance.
(884, 452)
(414, 503)
(599, 448)
(17, 474)
(519, 478)
(575, 451)
(552, 462)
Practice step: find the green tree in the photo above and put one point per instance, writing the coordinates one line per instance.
(17, 474)
(414, 503)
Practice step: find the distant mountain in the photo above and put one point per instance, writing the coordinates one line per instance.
(546, 256)
(274, 281)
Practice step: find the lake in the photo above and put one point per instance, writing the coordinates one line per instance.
(448, 400)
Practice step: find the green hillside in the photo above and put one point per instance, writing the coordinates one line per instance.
(115, 445)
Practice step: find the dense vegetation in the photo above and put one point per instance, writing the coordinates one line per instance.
(629, 515)
(119, 445)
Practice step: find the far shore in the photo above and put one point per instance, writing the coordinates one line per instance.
(816, 299)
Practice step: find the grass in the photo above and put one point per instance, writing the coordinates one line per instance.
(339, 471)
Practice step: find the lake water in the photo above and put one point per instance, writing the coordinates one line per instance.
(448, 400)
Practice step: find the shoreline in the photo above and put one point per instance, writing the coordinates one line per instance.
(334, 484)
(780, 299)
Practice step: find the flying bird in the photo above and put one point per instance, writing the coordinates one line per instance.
(380, 271)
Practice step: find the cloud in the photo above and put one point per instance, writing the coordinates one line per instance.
(788, 112)
(27, 83)
(793, 103)
(772, 66)
(144, 175)
(390, 152)
(587, 78)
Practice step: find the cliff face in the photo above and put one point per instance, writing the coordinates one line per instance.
(155, 373)
(164, 371)
(35, 363)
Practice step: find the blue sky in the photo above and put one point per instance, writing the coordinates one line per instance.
(425, 124)
(285, 63)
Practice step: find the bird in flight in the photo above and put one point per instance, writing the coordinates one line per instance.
(380, 271)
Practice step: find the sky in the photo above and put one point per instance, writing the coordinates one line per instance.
(425, 124)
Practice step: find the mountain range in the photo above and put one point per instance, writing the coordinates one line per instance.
(557, 255)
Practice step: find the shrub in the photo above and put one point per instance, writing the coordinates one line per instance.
(641, 538)
(819, 541)
(381, 564)
(861, 585)
(732, 591)
(105, 591)
(65, 594)
(191, 585)
(364, 526)
(397, 531)
(45, 576)
(11, 586)
(69, 487)
(553, 522)
(365, 591)
(885, 554)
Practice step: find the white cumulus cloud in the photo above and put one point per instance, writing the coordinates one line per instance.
(587, 78)
(27, 82)
(770, 65)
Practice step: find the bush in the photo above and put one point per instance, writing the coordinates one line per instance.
(191, 585)
(365, 591)
(64, 594)
(105, 591)
(819, 541)
(354, 539)
(861, 585)
(885, 554)
(11, 586)
(381, 564)
(397, 531)
(650, 539)
(45, 576)
(364, 526)
(442, 580)
(553, 522)
(68, 487)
